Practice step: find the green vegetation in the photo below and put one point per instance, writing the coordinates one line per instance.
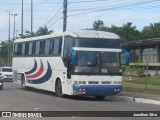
(128, 32)
(150, 80)
(134, 70)
(141, 90)
(4, 45)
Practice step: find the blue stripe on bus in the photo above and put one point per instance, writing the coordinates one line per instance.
(33, 69)
(102, 90)
(43, 79)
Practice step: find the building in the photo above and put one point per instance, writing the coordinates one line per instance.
(145, 53)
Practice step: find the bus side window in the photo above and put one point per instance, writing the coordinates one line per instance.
(56, 46)
(60, 45)
(26, 48)
(23, 48)
(68, 43)
(19, 49)
(15, 49)
(33, 48)
(37, 47)
(42, 47)
(51, 46)
(30, 48)
(47, 44)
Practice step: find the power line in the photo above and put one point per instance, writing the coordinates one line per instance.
(112, 8)
(88, 1)
(55, 22)
(54, 15)
(54, 8)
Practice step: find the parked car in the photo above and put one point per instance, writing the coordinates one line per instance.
(1, 84)
(6, 74)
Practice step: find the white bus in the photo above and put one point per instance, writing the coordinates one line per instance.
(52, 63)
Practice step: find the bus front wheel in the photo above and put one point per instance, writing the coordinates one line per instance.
(58, 89)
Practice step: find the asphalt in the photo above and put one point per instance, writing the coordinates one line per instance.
(142, 97)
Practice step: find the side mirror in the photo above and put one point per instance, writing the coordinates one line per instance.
(73, 56)
(126, 57)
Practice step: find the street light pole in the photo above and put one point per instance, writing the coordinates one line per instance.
(22, 20)
(14, 15)
(9, 42)
(31, 16)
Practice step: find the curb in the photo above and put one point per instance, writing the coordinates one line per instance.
(147, 101)
(120, 98)
(130, 99)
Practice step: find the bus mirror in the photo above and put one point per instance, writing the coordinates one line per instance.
(73, 57)
(125, 58)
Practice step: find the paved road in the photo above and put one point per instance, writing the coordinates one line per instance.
(13, 98)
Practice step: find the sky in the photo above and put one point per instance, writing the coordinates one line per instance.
(81, 14)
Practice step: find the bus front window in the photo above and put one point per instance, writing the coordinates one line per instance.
(97, 62)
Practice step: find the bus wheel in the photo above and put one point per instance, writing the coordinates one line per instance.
(1, 87)
(99, 97)
(58, 89)
(23, 82)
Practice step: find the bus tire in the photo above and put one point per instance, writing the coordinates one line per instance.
(99, 97)
(1, 87)
(58, 89)
(23, 82)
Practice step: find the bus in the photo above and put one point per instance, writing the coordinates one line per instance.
(52, 63)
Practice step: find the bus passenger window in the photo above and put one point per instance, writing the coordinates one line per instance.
(37, 47)
(60, 45)
(34, 48)
(15, 49)
(42, 47)
(19, 49)
(30, 48)
(51, 46)
(56, 46)
(23, 48)
(26, 48)
(46, 51)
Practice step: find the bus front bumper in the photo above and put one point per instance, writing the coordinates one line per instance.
(97, 90)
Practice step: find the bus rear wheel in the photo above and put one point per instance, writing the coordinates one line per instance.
(1, 87)
(23, 82)
(99, 97)
(58, 89)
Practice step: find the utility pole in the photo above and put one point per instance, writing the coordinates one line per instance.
(64, 15)
(14, 15)
(9, 41)
(22, 20)
(31, 16)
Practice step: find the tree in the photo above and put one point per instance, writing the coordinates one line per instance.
(4, 49)
(127, 32)
(41, 31)
(151, 31)
(98, 25)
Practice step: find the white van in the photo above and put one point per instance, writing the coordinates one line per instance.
(6, 74)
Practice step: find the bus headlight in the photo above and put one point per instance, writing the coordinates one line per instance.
(117, 82)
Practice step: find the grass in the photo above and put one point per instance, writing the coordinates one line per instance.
(150, 80)
(141, 90)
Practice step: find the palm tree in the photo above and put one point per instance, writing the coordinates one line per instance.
(43, 31)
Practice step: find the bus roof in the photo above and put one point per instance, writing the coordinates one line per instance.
(76, 34)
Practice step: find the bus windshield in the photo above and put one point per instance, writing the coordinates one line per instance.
(97, 62)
